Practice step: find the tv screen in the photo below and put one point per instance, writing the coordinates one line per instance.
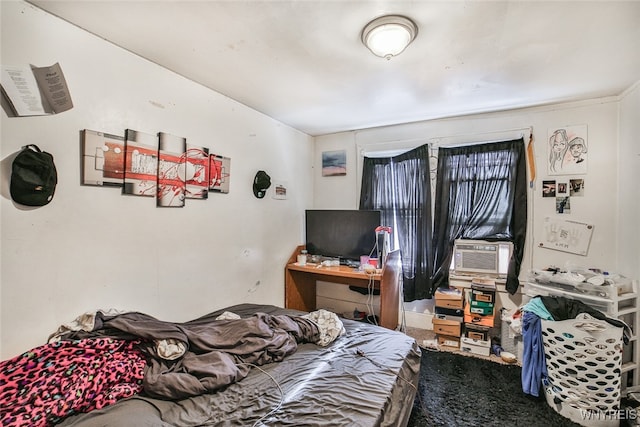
(346, 234)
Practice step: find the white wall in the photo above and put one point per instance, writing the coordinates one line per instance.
(92, 247)
(629, 177)
(599, 206)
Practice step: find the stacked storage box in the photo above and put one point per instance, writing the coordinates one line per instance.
(479, 317)
(449, 315)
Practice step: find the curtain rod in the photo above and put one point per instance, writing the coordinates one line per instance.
(445, 141)
(481, 138)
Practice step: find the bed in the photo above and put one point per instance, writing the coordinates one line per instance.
(367, 376)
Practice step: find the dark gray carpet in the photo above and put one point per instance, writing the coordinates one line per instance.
(457, 390)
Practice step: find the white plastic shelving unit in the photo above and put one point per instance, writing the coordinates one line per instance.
(619, 300)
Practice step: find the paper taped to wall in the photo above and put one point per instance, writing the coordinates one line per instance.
(35, 91)
(566, 236)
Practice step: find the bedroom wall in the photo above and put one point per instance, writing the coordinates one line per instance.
(628, 177)
(602, 205)
(93, 248)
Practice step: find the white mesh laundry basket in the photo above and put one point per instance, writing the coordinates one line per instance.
(584, 359)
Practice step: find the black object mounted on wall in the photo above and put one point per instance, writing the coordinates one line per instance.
(33, 177)
(261, 183)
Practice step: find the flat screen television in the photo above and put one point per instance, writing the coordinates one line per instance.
(344, 234)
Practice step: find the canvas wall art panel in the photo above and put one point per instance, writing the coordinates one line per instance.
(219, 173)
(141, 163)
(197, 172)
(102, 159)
(171, 170)
(334, 163)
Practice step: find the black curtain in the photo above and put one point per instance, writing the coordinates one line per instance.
(481, 193)
(399, 187)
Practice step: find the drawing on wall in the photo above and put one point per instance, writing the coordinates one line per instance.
(219, 173)
(171, 170)
(566, 236)
(548, 189)
(197, 172)
(141, 164)
(576, 187)
(568, 150)
(334, 163)
(103, 159)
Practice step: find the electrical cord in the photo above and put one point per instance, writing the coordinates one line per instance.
(375, 246)
(370, 285)
(370, 289)
(277, 408)
(403, 322)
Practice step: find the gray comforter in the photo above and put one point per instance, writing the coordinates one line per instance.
(314, 387)
(217, 352)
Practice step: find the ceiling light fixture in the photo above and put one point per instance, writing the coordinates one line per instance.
(389, 35)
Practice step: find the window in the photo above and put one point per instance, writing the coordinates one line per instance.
(399, 187)
(480, 193)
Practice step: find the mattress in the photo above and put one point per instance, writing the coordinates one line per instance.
(367, 377)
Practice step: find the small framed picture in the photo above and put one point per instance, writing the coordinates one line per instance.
(334, 163)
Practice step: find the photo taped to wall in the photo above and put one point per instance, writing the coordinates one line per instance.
(548, 189)
(563, 205)
(562, 189)
(576, 187)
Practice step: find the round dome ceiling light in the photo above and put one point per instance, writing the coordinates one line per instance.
(389, 35)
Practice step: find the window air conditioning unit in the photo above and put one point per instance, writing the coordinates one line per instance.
(474, 257)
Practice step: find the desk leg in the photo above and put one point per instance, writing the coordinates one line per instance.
(390, 291)
(388, 306)
(300, 291)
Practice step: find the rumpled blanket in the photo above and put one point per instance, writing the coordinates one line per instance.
(48, 383)
(100, 358)
(217, 351)
(329, 325)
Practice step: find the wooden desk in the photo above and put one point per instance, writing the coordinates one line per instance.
(300, 285)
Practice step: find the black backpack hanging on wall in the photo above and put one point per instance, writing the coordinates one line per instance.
(33, 177)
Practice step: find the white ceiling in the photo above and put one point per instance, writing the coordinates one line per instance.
(302, 62)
